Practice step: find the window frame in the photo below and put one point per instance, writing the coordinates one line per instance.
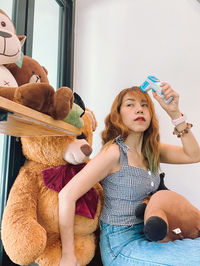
(23, 19)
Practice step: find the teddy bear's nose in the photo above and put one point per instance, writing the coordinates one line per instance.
(5, 34)
(86, 149)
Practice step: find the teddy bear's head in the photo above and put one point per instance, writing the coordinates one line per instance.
(10, 43)
(30, 72)
(60, 150)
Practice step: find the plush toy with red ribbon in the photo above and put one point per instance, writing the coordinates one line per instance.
(30, 228)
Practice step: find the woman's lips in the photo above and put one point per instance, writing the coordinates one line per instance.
(140, 118)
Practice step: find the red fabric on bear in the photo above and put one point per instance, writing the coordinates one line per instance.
(57, 177)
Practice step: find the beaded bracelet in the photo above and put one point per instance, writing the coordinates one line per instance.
(183, 132)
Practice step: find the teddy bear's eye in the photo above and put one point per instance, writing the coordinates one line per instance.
(3, 24)
(82, 136)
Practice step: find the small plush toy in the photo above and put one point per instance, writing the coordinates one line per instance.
(10, 50)
(26, 82)
(30, 228)
(34, 90)
(168, 216)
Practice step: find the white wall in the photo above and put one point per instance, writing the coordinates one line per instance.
(119, 42)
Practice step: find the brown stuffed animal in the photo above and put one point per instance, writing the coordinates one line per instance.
(30, 229)
(30, 72)
(168, 216)
(29, 84)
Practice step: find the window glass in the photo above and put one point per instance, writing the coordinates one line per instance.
(6, 6)
(45, 37)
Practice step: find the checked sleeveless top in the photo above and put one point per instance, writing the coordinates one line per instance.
(125, 189)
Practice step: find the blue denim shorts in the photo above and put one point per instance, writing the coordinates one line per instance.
(127, 245)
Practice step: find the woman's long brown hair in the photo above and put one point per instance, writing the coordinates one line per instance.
(151, 138)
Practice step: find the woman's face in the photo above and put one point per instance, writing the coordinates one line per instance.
(135, 112)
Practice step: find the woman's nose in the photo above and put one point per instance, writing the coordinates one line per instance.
(139, 109)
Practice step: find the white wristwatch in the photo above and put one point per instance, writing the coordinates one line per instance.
(179, 120)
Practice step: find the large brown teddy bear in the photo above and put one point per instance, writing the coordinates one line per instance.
(28, 84)
(30, 228)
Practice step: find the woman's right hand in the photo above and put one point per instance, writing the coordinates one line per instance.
(69, 261)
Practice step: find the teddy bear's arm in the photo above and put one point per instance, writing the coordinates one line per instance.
(24, 239)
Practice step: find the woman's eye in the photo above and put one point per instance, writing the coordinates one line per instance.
(130, 104)
(144, 105)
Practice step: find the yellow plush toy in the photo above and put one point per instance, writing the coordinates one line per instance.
(30, 228)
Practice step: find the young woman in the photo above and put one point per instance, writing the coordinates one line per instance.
(128, 168)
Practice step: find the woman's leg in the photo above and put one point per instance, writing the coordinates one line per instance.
(128, 246)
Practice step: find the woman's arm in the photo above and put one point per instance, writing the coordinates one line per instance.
(180, 154)
(189, 152)
(93, 172)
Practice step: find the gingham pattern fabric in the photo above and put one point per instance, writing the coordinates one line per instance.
(125, 189)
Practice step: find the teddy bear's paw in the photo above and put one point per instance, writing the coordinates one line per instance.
(52, 254)
(155, 228)
(23, 239)
(85, 248)
(62, 103)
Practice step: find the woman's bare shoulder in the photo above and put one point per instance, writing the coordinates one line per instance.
(113, 150)
(112, 155)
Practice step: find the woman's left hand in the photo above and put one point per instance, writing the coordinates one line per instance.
(171, 108)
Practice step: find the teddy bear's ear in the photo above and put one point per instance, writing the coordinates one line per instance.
(45, 70)
(22, 39)
(2, 12)
(92, 117)
(79, 101)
